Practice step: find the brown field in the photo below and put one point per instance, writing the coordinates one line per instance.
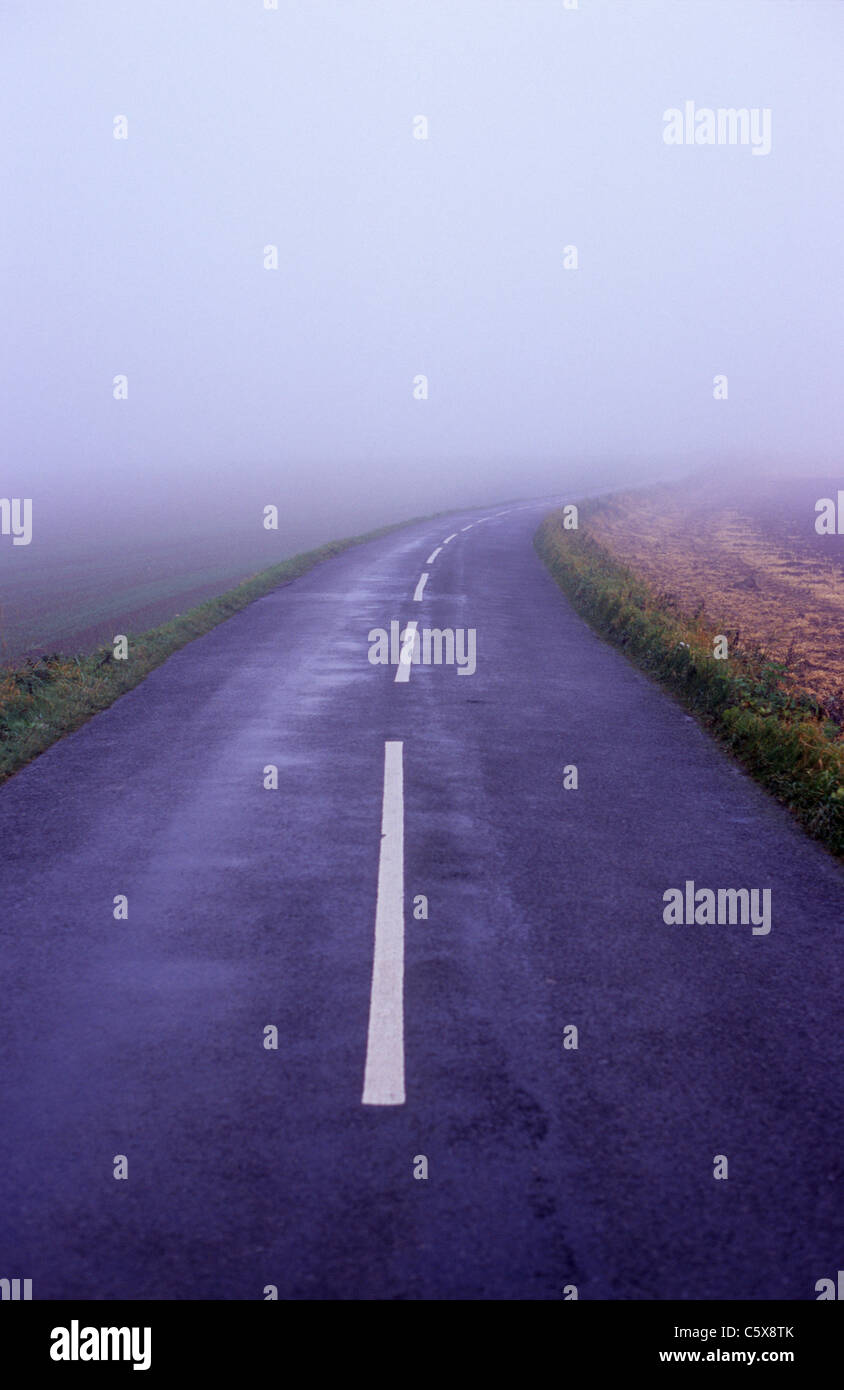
(747, 558)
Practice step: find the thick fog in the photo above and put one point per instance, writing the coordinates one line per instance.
(398, 257)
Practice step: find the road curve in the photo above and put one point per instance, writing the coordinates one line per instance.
(548, 1167)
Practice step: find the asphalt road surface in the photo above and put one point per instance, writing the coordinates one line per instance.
(441, 1038)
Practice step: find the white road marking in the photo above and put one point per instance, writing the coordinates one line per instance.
(383, 1080)
(467, 528)
(420, 588)
(433, 555)
(409, 640)
(450, 538)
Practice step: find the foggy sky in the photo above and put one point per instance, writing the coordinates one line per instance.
(397, 256)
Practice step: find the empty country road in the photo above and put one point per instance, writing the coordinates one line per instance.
(400, 1036)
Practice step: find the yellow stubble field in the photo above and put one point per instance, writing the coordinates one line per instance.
(747, 557)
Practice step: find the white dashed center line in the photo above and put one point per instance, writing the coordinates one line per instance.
(383, 1081)
(409, 640)
(420, 588)
(467, 528)
(452, 537)
(433, 555)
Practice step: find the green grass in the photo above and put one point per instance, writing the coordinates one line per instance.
(781, 734)
(44, 699)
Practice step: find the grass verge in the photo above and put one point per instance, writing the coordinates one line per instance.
(44, 699)
(783, 736)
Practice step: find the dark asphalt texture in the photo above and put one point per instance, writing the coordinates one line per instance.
(547, 1167)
